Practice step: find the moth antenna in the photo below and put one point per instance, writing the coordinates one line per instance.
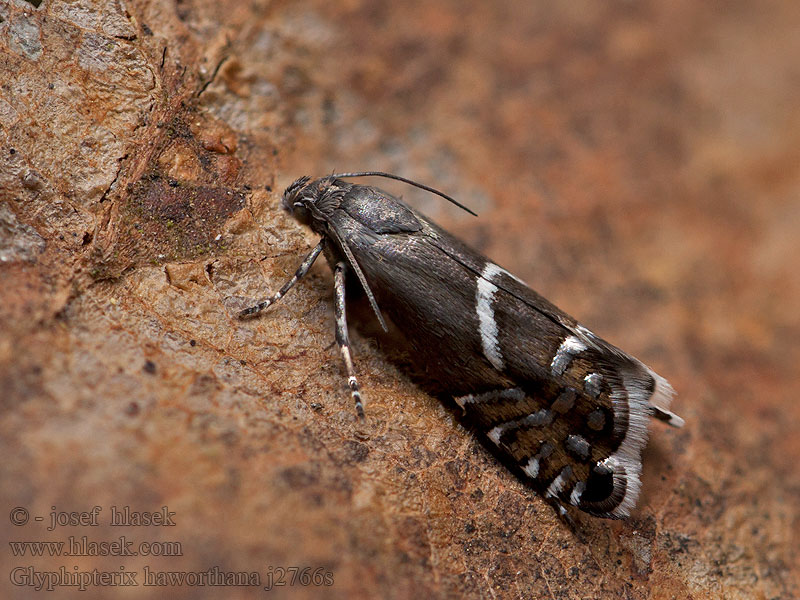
(421, 186)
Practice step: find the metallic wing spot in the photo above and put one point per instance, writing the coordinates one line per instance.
(545, 450)
(571, 346)
(484, 297)
(531, 469)
(554, 489)
(541, 418)
(462, 401)
(564, 402)
(592, 384)
(470, 400)
(496, 432)
(577, 492)
(578, 446)
(596, 420)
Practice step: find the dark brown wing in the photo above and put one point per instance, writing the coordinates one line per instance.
(568, 408)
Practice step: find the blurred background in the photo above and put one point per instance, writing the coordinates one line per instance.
(636, 163)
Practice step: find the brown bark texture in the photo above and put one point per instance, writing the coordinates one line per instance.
(637, 162)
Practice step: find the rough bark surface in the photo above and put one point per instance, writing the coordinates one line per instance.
(637, 162)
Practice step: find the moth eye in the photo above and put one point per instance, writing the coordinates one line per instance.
(301, 213)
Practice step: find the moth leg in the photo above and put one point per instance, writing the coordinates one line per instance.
(301, 271)
(342, 337)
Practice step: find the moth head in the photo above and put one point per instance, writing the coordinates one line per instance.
(312, 202)
(296, 200)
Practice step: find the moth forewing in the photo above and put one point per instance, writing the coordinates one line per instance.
(567, 408)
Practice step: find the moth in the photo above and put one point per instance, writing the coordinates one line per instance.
(564, 406)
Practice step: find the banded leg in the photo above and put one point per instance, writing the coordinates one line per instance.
(342, 338)
(301, 271)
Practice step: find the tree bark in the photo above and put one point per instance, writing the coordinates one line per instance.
(637, 164)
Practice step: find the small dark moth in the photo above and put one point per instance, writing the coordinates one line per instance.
(568, 408)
